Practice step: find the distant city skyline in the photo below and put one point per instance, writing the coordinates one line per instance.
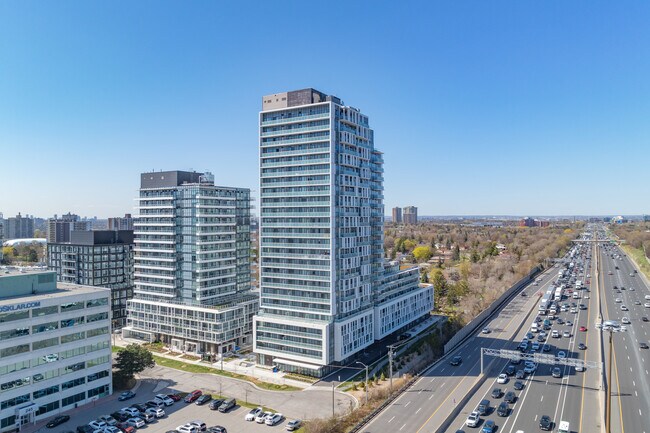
(507, 108)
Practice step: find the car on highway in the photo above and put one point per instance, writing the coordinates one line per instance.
(644, 319)
(488, 427)
(503, 409)
(555, 333)
(568, 323)
(546, 348)
(556, 372)
(566, 334)
(618, 300)
(510, 397)
(643, 345)
(483, 407)
(583, 329)
(637, 302)
(485, 330)
(473, 419)
(647, 305)
(523, 346)
(294, 425)
(624, 308)
(456, 360)
(253, 413)
(274, 419)
(535, 346)
(561, 354)
(520, 374)
(510, 370)
(545, 423)
(625, 320)
(519, 385)
(126, 395)
(503, 378)
(580, 367)
(57, 421)
(496, 393)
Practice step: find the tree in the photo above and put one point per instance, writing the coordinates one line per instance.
(408, 245)
(422, 254)
(464, 268)
(439, 283)
(456, 254)
(133, 359)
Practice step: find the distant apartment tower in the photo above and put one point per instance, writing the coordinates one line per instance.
(325, 293)
(59, 229)
(19, 227)
(192, 264)
(410, 215)
(397, 215)
(2, 228)
(101, 258)
(121, 223)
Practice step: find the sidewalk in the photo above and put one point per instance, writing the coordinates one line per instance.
(239, 365)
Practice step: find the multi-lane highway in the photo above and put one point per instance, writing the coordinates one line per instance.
(573, 397)
(426, 405)
(631, 364)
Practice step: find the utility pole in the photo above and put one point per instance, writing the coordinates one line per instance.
(390, 368)
(366, 384)
(332, 399)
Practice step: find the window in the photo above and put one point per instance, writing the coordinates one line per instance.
(14, 350)
(71, 306)
(9, 421)
(95, 317)
(43, 327)
(73, 399)
(10, 317)
(14, 401)
(100, 391)
(46, 391)
(74, 367)
(45, 343)
(98, 331)
(98, 361)
(72, 383)
(16, 366)
(73, 337)
(97, 302)
(48, 408)
(13, 333)
(98, 375)
(73, 322)
(44, 311)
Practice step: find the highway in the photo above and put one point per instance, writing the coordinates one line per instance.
(428, 402)
(575, 396)
(630, 377)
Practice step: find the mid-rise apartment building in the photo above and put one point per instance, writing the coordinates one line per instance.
(410, 215)
(192, 264)
(102, 258)
(59, 229)
(55, 351)
(19, 227)
(322, 273)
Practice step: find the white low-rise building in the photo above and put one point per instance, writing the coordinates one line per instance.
(55, 351)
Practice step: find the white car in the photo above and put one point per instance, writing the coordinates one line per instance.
(274, 419)
(623, 308)
(166, 400)
(485, 330)
(108, 420)
(98, 424)
(187, 428)
(647, 305)
(503, 378)
(260, 418)
(131, 411)
(136, 422)
(252, 414)
(473, 419)
(618, 300)
(112, 429)
(156, 412)
(625, 320)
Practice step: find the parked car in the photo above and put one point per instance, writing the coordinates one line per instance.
(57, 421)
(120, 416)
(252, 414)
(200, 425)
(217, 429)
(155, 403)
(203, 399)
(167, 401)
(192, 396)
(261, 417)
(175, 396)
(294, 425)
(227, 405)
(214, 404)
(126, 395)
(187, 428)
(274, 419)
(136, 422)
(98, 424)
(109, 420)
(155, 412)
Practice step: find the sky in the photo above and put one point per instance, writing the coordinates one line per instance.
(480, 107)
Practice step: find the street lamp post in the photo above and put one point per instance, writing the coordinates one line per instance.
(611, 327)
(366, 383)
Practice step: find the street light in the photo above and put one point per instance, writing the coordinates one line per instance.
(366, 383)
(610, 326)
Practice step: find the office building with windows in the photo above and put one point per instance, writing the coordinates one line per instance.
(55, 351)
(323, 281)
(410, 215)
(102, 258)
(121, 223)
(192, 264)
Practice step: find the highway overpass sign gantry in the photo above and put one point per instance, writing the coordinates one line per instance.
(537, 358)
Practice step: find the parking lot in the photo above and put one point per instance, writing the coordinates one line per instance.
(177, 414)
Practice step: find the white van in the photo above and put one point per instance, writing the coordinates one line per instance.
(564, 427)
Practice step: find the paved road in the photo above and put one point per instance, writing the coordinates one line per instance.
(630, 377)
(428, 402)
(559, 398)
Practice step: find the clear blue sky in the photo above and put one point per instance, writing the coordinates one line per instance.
(481, 107)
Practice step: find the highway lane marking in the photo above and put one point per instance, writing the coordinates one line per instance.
(635, 393)
(618, 386)
(418, 410)
(402, 427)
(541, 399)
(407, 404)
(634, 383)
(431, 396)
(391, 419)
(420, 392)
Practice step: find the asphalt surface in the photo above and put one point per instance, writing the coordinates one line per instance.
(562, 399)
(630, 377)
(428, 402)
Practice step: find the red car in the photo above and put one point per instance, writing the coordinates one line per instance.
(192, 396)
(175, 397)
(583, 329)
